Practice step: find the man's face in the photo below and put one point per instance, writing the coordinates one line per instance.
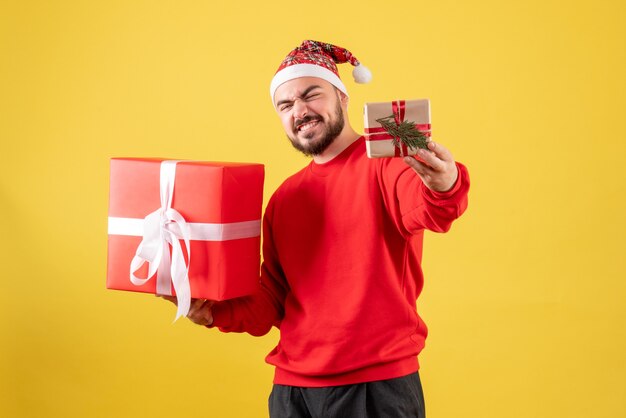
(311, 112)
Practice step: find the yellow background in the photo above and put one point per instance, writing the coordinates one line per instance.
(524, 298)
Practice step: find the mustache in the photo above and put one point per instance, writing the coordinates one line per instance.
(304, 120)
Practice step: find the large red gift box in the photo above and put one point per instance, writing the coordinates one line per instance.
(378, 141)
(215, 206)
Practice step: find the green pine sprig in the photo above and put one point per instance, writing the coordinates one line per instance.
(406, 132)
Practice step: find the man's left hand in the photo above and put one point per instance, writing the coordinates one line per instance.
(435, 166)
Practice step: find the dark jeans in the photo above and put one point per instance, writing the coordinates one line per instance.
(394, 398)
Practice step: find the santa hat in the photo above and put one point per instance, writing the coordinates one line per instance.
(318, 59)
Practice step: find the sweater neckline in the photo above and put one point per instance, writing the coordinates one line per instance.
(325, 168)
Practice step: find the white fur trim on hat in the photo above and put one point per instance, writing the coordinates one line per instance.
(305, 70)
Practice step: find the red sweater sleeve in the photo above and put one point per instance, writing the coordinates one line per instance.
(419, 207)
(257, 313)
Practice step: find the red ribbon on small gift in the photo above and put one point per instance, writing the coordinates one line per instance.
(380, 134)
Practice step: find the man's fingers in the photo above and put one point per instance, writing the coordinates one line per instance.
(435, 166)
(199, 309)
(431, 160)
(440, 151)
(436, 157)
(170, 298)
(195, 306)
(200, 312)
(416, 165)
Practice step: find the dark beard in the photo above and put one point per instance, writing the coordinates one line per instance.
(333, 131)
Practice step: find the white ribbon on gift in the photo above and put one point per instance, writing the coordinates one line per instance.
(166, 226)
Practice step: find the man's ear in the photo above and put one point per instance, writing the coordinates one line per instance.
(343, 98)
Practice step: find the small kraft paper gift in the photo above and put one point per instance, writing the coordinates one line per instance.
(397, 128)
(185, 228)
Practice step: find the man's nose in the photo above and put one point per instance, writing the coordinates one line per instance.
(299, 109)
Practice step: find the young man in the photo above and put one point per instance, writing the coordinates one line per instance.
(342, 246)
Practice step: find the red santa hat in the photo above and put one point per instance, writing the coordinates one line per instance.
(318, 59)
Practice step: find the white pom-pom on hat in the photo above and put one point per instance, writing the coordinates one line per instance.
(362, 74)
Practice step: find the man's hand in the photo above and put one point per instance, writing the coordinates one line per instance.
(435, 166)
(199, 311)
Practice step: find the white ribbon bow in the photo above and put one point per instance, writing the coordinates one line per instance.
(163, 228)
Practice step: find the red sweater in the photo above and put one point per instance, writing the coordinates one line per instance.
(342, 249)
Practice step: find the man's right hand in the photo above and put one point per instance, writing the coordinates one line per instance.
(199, 311)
